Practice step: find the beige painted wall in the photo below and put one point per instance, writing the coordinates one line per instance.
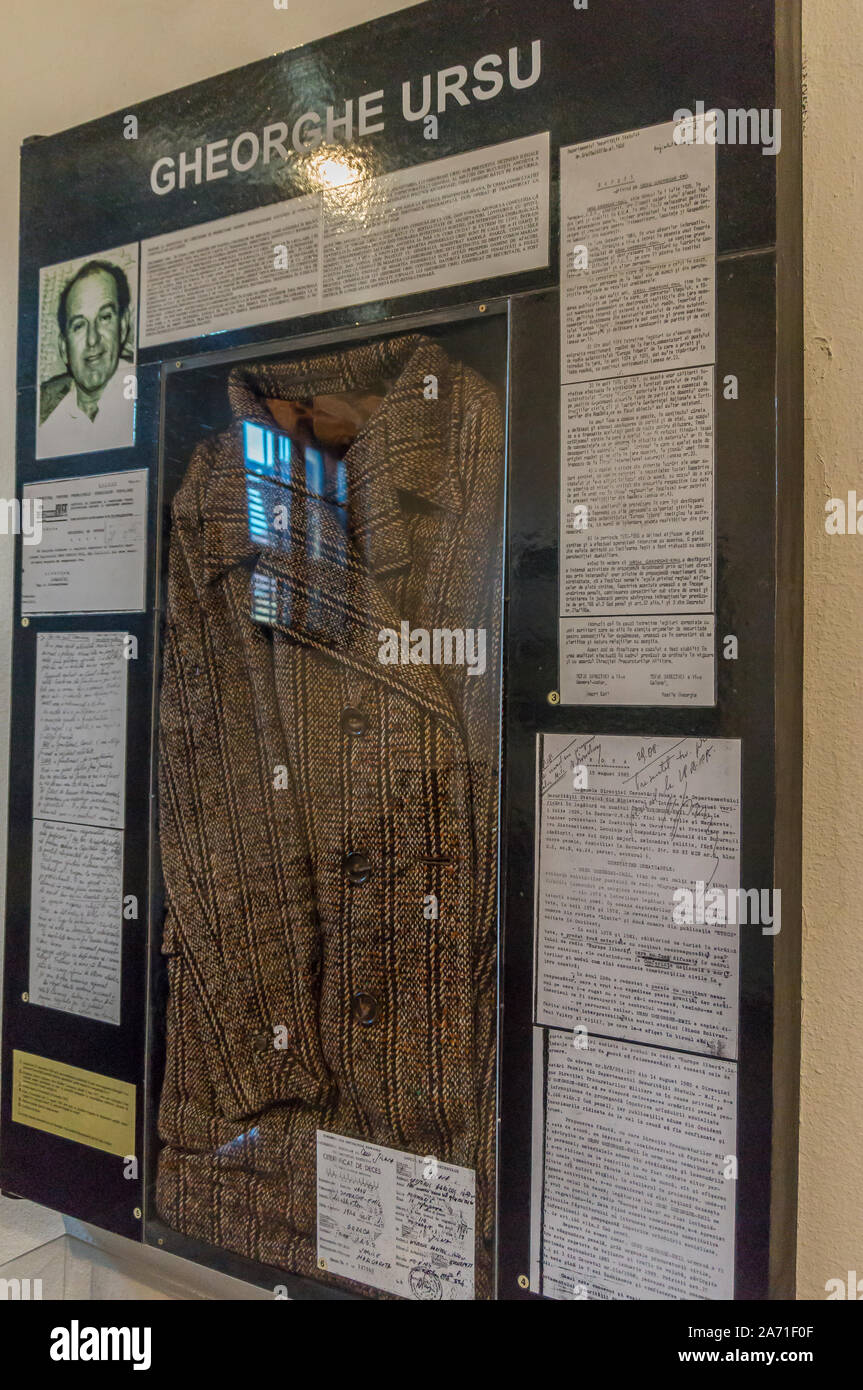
(831, 1138)
(63, 62)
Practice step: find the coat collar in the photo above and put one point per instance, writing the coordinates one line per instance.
(408, 444)
(262, 511)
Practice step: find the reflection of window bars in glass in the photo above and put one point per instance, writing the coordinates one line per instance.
(259, 523)
(259, 451)
(268, 457)
(283, 458)
(265, 604)
(342, 494)
(268, 460)
(315, 482)
(267, 454)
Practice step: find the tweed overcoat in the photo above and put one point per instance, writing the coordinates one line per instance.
(312, 799)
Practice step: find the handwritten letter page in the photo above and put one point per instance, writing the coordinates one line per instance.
(79, 764)
(76, 919)
(624, 824)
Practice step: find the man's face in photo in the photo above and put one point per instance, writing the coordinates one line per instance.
(95, 332)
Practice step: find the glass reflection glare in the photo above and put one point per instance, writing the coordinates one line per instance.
(320, 488)
(334, 170)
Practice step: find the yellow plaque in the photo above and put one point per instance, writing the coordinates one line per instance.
(73, 1103)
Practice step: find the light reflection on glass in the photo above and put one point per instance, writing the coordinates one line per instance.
(329, 169)
(315, 482)
(259, 522)
(265, 599)
(258, 449)
(269, 460)
(232, 1145)
(335, 172)
(342, 494)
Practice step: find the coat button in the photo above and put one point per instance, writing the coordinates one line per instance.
(354, 722)
(262, 1042)
(357, 866)
(364, 1008)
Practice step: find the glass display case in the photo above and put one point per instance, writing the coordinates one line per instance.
(327, 768)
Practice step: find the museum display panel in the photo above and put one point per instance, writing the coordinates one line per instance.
(404, 833)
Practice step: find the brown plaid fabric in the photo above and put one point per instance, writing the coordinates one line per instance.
(311, 797)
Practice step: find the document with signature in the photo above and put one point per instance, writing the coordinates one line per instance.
(634, 834)
(92, 555)
(395, 1221)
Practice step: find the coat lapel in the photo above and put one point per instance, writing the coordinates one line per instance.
(318, 568)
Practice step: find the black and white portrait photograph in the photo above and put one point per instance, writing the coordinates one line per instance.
(87, 386)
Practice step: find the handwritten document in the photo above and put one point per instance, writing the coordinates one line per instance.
(625, 824)
(638, 344)
(636, 1173)
(80, 742)
(76, 919)
(92, 557)
(395, 1221)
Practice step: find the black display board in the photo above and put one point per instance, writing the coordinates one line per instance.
(611, 67)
